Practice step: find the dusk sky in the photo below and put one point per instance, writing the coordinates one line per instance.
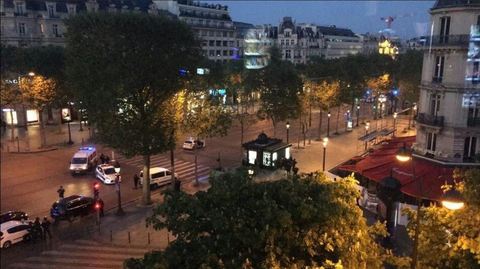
(360, 16)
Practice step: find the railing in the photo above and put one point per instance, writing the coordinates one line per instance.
(432, 120)
(447, 40)
(473, 122)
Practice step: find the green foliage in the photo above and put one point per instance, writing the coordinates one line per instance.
(290, 223)
(451, 239)
(123, 69)
(280, 90)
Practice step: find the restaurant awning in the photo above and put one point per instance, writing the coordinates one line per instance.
(382, 162)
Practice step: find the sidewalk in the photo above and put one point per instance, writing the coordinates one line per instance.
(29, 140)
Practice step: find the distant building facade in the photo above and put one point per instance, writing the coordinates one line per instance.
(448, 122)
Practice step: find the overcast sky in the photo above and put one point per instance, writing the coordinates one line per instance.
(360, 16)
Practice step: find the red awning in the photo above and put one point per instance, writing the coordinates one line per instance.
(382, 163)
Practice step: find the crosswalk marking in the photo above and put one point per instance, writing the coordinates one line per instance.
(185, 170)
(85, 254)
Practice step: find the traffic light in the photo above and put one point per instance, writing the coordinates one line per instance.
(96, 190)
(97, 206)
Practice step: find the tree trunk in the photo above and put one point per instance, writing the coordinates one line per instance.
(241, 132)
(11, 125)
(172, 166)
(196, 167)
(310, 116)
(274, 128)
(320, 125)
(338, 118)
(60, 123)
(43, 135)
(146, 199)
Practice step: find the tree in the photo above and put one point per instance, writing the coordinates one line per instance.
(409, 75)
(10, 95)
(125, 78)
(280, 90)
(324, 95)
(303, 221)
(41, 93)
(204, 117)
(451, 239)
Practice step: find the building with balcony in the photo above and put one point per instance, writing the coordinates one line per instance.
(448, 120)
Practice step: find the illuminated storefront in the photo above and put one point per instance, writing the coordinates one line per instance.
(264, 152)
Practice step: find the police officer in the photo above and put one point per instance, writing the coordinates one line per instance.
(61, 192)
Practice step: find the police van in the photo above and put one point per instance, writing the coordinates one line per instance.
(83, 160)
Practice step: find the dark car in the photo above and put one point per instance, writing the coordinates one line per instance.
(72, 206)
(13, 215)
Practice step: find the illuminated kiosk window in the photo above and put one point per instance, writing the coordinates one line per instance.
(252, 156)
(32, 115)
(10, 116)
(287, 153)
(274, 156)
(266, 159)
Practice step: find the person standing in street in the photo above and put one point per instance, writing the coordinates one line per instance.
(46, 228)
(136, 179)
(61, 192)
(102, 205)
(37, 230)
(102, 158)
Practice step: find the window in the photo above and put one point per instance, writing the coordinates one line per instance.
(444, 29)
(204, 33)
(211, 53)
(20, 8)
(200, 22)
(282, 42)
(219, 43)
(225, 43)
(434, 104)
(218, 53)
(55, 29)
(21, 28)
(431, 141)
(292, 42)
(211, 33)
(71, 10)
(469, 149)
(230, 52)
(224, 33)
(266, 159)
(204, 43)
(252, 157)
(288, 54)
(287, 42)
(211, 43)
(225, 53)
(478, 20)
(51, 11)
(287, 34)
(439, 65)
(219, 33)
(231, 43)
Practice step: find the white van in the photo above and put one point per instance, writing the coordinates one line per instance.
(158, 177)
(83, 160)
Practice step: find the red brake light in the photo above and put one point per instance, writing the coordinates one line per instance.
(96, 186)
(97, 206)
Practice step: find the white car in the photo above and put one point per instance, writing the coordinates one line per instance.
(191, 143)
(158, 177)
(83, 160)
(106, 173)
(14, 231)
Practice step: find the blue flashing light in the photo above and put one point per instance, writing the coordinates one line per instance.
(182, 72)
(89, 148)
(395, 92)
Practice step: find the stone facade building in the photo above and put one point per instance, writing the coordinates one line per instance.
(448, 121)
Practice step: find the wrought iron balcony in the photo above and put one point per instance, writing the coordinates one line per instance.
(473, 122)
(432, 120)
(447, 40)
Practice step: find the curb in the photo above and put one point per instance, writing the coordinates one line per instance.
(33, 152)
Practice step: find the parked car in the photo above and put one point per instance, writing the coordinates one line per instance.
(71, 207)
(106, 173)
(14, 231)
(191, 144)
(13, 215)
(158, 177)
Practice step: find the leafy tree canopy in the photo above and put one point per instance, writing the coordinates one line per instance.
(290, 223)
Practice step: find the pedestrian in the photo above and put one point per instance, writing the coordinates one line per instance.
(102, 158)
(61, 192)
(46, 228)
(36, 230)
(107, 159)
(136, 179)
(100, 202)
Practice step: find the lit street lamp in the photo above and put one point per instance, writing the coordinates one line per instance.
(325, 142)
(394, 123)
(358, 114)
(120, 211)
(367, 125)
(328, 123)
(287, 125)
(453, 200)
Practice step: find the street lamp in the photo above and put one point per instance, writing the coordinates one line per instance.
(404, 155)
(358, 114)
(367, 126)
(69, 119)
(394, 123)
(328, 123)
(116, 166)
(324, 142)
(453, 200)
(287, 125)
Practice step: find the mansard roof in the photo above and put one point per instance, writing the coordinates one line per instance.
(455, 3)
(333, 30)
